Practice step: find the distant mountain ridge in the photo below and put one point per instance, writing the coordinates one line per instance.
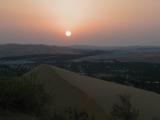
(8, 50)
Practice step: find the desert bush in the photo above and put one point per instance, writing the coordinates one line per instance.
(72, 114)
(124, 110)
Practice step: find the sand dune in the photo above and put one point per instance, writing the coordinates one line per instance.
(93, 94)
(64, 94)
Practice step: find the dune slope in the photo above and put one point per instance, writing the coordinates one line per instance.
(64, 94)
(96, 97)
(105, 93)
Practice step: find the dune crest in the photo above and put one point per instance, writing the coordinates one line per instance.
(64, 94)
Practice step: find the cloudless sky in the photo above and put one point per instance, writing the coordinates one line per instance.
(92, 22)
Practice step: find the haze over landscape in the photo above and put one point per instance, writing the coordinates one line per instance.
(92, 22)
(79, 60)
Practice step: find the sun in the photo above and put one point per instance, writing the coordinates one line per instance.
(68, 33)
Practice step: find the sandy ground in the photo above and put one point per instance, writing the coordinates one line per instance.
(64, 94)
(105, 93)
(68, 89)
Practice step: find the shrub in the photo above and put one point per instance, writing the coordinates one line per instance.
(23, 95)
(124, 109)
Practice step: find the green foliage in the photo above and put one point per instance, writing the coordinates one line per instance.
(124, 109)
(23, 95)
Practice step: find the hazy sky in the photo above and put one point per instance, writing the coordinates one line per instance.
(92, 22)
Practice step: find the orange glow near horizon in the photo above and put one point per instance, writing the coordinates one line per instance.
(82, 17)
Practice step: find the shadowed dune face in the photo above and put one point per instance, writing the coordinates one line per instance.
(102, 92)
(64, 94)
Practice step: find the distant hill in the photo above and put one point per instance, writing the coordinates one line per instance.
(121, 48)
(86, 53)
(9, 50)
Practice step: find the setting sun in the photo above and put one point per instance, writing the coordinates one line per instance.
(68, 33)
(91, 22)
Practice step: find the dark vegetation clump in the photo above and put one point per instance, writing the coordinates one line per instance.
(22, 95)
(72, 114)
(124, 110)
